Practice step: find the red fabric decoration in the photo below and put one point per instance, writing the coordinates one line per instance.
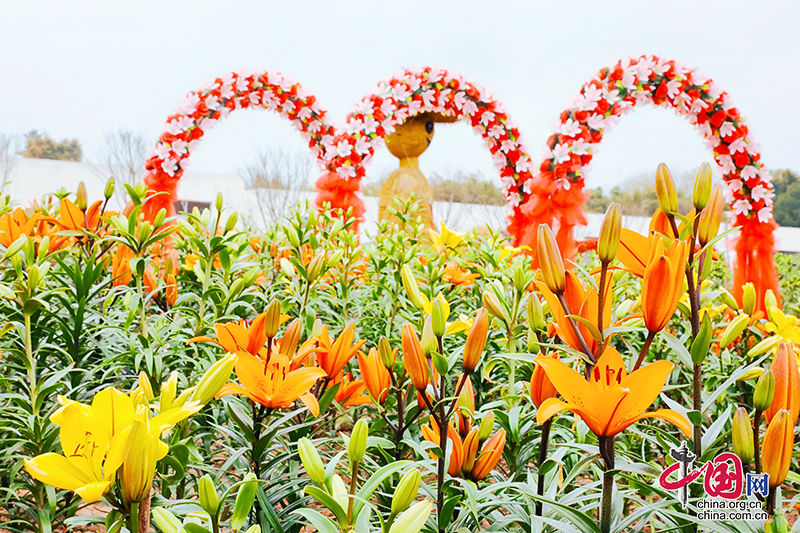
(754, 263)
(341, 194)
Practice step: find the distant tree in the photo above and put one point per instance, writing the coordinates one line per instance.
(782, 180)
(277, 178)
(787, 206)
(8, 149)
(463, 188)
(41, 146)
(597, 202)
(122, 157)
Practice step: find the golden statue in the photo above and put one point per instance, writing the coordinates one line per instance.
(409, 141)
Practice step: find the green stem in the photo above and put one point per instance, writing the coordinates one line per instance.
(756, 441)
(442, 421)
(352, 500)
(142, 315)
(202, 310)
(31, 363)
(697, 405)
(133, 518)
(542, 458)
(607, 453)
(645, 347)
(577, 331)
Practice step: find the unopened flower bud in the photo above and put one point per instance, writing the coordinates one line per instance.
(255, 528)
(168, 391)
(702, 342)
(385, 352)
(438, 320)
(315, 268)
(711, 217)
(610, 232)
(144, 384)
(770, 300)
(406, 491)
(550, 261)
(287, 267)
(493, 304)
(311, 461)
(358, 442)
(244, 501)
(273, 319)
(412, 519)
(410, 285)
(665, 190)
(777, 524)
(471, 445)
(734, 329)
(742, 434)
(335, 258)
(82, 197)
(213, 379)
(521, 279)
(749, 298)
(232, 220)
(209, 500)
(476, 340)
(764, 391)
(160, 217)
(316, 329)
(218, 203)
(110, 185)
(487, 425)
(291, 337)
(702, 187)
(535, 313)
(16, 246)
(166, 522)
(428, 339)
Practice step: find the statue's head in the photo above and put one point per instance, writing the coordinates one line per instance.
(412, 137)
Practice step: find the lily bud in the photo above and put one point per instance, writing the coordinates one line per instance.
(168, 391)
(711, 217)
(385, 352)
(82, 197)
(273, 319)
(471, 444)
(165, 521)
(541, 387)
(665, 190)
(487, 425)
(749, 298)
(244, 501)
(776, 451)
(787, 383)
(358, 442)
(160, 217)
(315, 268)
(291, 337)
(770, 300)
(414, 358)
(702, 187)
(138, 468)
(428, 339)
(232, 220)
(335, 258)
(145, 386)
(110, 185)
(550, 261)
(413, 519)
(16, 246)
(493, 304)
(410, 285)
(406, 491)
(218, 203)
(535, 313)
(702, 342)
(610, 232)
(209, 500)
(743, 436)
(522, 278)
(311, 461)
(776, 524)
(438, 320)
(476, 340)
(764, 391)
(214, 378)
(734, 329)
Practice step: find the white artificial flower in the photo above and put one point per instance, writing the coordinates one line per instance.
(739, 145)
(428, 97)
(612, 97)
(507, 146)
(570, 128)
(305, 114)
(388, 106)
(560, 153)
(765, 214)
(580, 147)
(749, 172)
(207, 124)
(673, 88)
(362, 146)
(226, 91)
(497, 132)
(343, 148)
(735, 185)
(524, 164)
(370, 125)
(741, 207)
(470, 108)
(170, 166)
(487, 118)
(759, 192)
(726, 128)
(346, 171)
(596, 122)
(726, 163)
(179, 147)
(353, 126)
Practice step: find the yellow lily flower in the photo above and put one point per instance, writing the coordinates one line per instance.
(783, 326)
(94, 439)
(446, 240)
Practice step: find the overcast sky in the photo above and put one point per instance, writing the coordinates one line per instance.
(80, 69)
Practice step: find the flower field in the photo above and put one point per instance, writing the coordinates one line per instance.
(196, 374)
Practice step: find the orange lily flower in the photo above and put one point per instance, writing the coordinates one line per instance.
(121, 266)
(351, 391)
(273, 385)
(662, 285)
(71, 218)
(582, 303)
(541, 387)
(332, 356)
(787, 384)
(236, 336)
(456, 275)
(375, 375)
(414, 358)
(17, 223)
(465, 458)
(613, 399)
(776, 452)
(171, 293)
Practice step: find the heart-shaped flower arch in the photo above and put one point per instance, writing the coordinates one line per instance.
(557, 192)
(553, 195)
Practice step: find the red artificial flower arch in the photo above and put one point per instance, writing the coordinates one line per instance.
(557, 194)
